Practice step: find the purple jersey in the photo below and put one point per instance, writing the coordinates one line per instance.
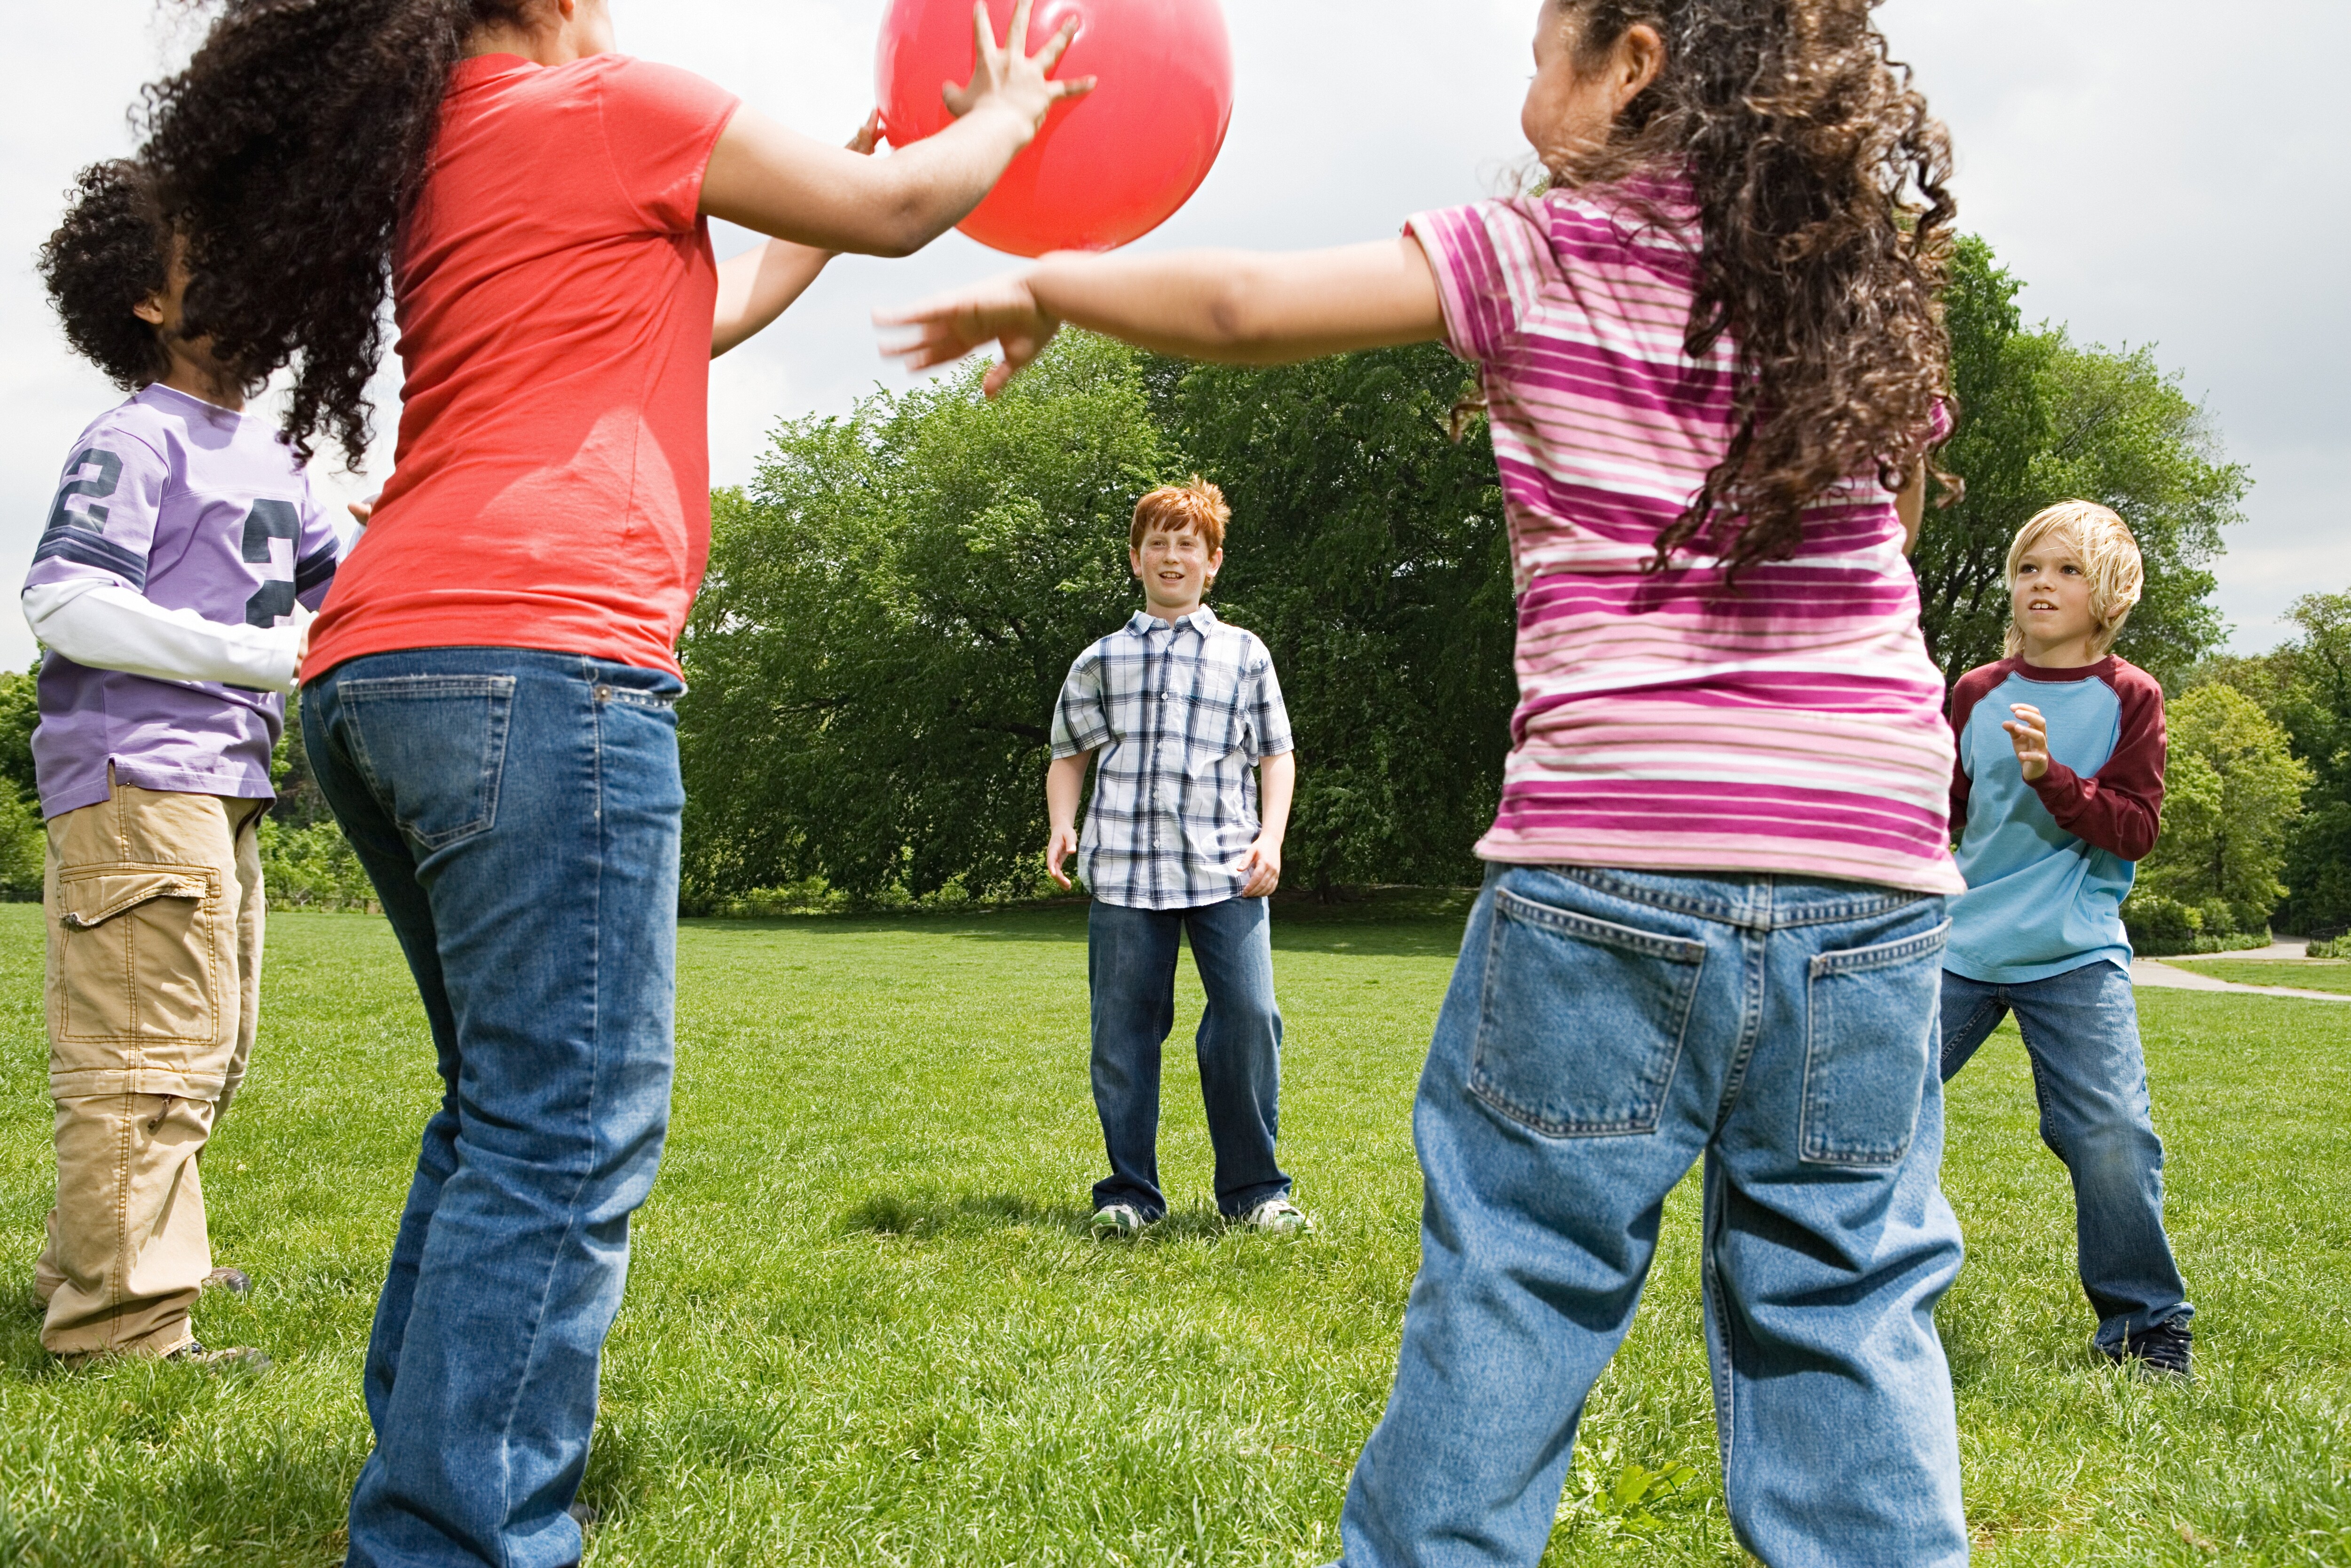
(198, 508)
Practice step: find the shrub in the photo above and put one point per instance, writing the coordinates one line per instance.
(23, 849)
(312, 868)
(2162, 927)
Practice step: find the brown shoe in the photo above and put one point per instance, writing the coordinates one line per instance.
(235, 1281)
(237, 1358)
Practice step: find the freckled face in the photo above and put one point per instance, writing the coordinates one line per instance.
(1173, 567)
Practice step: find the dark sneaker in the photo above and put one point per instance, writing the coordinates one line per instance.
(586, 1515)
(237, 1358)
(235, 1281)
(2163, 1350)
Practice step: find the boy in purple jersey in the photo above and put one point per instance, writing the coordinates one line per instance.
(183, 536)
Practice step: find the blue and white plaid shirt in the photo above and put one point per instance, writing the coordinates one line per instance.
(1186, 711)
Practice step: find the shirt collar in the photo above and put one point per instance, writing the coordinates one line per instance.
(1145, 622)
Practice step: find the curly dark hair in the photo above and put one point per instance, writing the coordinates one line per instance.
(1819, 181)
(286, 155)
(112, 251)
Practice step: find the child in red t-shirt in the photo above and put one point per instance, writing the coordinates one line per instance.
(489, 696)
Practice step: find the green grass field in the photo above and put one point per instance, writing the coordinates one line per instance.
(864, 1326)
(2305, 973)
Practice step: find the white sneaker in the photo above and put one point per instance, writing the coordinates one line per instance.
(1113, 1220)
(1277, 1216)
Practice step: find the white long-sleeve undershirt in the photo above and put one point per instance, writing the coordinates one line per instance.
(107, 626)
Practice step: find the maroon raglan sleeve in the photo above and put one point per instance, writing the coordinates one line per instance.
(2120, 807)
(1965, 693)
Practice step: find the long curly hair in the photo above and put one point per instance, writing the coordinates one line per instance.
(287, 156)
(1819, 181)
(112, 251)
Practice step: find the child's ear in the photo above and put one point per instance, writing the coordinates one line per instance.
(150, 310)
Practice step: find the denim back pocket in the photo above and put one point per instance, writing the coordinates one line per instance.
(1870, 1016)
(432, 749)
(1581, 1026)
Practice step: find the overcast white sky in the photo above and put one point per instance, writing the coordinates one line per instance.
(2160, 172)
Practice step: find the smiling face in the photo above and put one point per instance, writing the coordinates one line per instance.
(2049, 601)
(1174, 567)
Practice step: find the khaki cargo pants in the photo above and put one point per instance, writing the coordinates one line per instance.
(154, 908)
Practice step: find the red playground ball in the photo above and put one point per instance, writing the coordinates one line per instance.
(1107, 167)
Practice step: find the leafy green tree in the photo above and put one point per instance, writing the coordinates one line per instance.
(2305, 686)
(2315, 709)
(20, 714)
(24, 842)
(889, 615)
(2233, 790)
(1368, 550)
(2045, 420)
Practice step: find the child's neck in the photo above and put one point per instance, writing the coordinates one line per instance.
(1171, 613)
(2073, 654)
(201, 383)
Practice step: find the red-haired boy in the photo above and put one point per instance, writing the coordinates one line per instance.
(1183, 710)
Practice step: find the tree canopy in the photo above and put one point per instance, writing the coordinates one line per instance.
(888, 616)
(893, 603)
(2305, 687)
(2044, 420)
(2233, 790)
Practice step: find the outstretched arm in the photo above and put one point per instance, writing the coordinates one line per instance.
(769, 178)
(1238, 306)
(760, 285)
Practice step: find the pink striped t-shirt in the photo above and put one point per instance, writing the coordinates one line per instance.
(1792, 726)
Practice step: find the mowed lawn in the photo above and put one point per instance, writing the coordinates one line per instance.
(2305, 973)
(864, 1325)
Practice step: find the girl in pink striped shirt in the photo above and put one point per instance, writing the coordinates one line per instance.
(1713, 918)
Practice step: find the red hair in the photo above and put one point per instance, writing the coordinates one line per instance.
(1199, 506)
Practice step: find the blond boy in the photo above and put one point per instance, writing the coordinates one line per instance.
(2056, 798)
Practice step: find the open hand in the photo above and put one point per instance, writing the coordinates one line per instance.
(1064, 845)
(1263, 866)
(1002, 310)
(1011, 78)
(2029, 733)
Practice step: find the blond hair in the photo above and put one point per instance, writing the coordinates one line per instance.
(1199, 506)
(2102, 542)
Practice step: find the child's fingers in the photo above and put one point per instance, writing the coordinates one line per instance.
(1056, 47)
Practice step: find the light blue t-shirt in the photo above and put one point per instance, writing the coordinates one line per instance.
(2048, 863)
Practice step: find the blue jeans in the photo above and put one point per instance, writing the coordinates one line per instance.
(1603, 1031)
(2081, 1031)
(519, 814)
(1130, 968)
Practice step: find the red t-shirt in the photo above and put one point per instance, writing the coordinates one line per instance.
(554, 291)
